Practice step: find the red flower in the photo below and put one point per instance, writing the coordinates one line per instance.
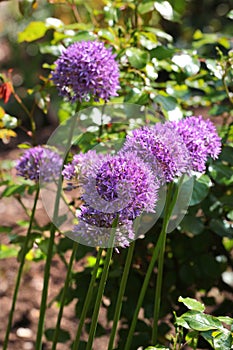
(5, 91)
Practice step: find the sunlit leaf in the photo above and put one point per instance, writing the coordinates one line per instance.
(192, 304)
(34, 31)
(199, 321)
(6, 134)
(8, 251)
(230, 14)
(190, 65)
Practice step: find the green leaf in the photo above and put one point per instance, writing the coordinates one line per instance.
(84, 35)
(187, 63)
(192, 225)
(151, 72)
(227, 155)
(230, 14)
(192, 339)
(185, 189)
(200, 189)
(24, 146)
(137, 58)
(226, 319)
(221, 227)
(145, 7)
(54, 50)
(200, 322)
(221, 173)
(148, 40)
(215, 68)
(107, 34)
(13, 189)
(63, 335)
(192, 304)
(8, 252)
(9, 122)
(42, 100)
(162, 52)
(44, 245)
(220, 340)
(5, 229)
(34, 31)
(165, 9)
(168, 103)
(26, 7)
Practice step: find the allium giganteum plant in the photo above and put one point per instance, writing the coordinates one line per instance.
(116, 191)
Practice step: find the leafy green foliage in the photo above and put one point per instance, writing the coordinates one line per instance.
(211, 328)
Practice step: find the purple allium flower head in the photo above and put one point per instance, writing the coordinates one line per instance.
(123, 184)
(86, 69)
(82, 166)
(39, 162)
(161, 147)
(201, 139)
(118, 186)
(95, 228)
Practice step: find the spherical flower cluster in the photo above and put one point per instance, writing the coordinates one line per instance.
(120, 186)
(201, 139)
(95, 228)
(39, 162)
(82, 165)
(162, 148)
(86, 69)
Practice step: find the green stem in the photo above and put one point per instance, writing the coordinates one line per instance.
(163, 233)
(63, 297)
(28, 113)
(120, 295)
(87, 300)
(102, 283)
(142, 293)
(169, 206)
(45, 289)
(27, 212)
(51, 241)
(20, 270)
(99, 298)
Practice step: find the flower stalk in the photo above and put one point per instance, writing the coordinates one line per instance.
(51, 241)
(20, 270)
